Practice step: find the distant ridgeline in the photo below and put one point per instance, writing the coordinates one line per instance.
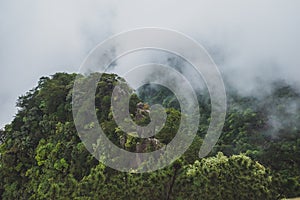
(257, 156)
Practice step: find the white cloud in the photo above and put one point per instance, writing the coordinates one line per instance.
(249, 39)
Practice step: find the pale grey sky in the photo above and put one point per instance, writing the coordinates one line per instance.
(251, 38)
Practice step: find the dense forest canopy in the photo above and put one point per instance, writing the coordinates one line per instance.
(257, 156)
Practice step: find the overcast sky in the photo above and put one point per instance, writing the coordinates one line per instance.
(249, 39)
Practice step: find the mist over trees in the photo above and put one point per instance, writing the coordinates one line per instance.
(257, 156)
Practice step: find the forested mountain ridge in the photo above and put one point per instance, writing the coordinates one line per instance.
(42, 156)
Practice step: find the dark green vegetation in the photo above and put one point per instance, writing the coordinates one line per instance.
(42, 156)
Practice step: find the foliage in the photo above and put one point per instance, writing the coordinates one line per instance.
(42, 157)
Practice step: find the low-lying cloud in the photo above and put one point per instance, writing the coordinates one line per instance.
(249, 40)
